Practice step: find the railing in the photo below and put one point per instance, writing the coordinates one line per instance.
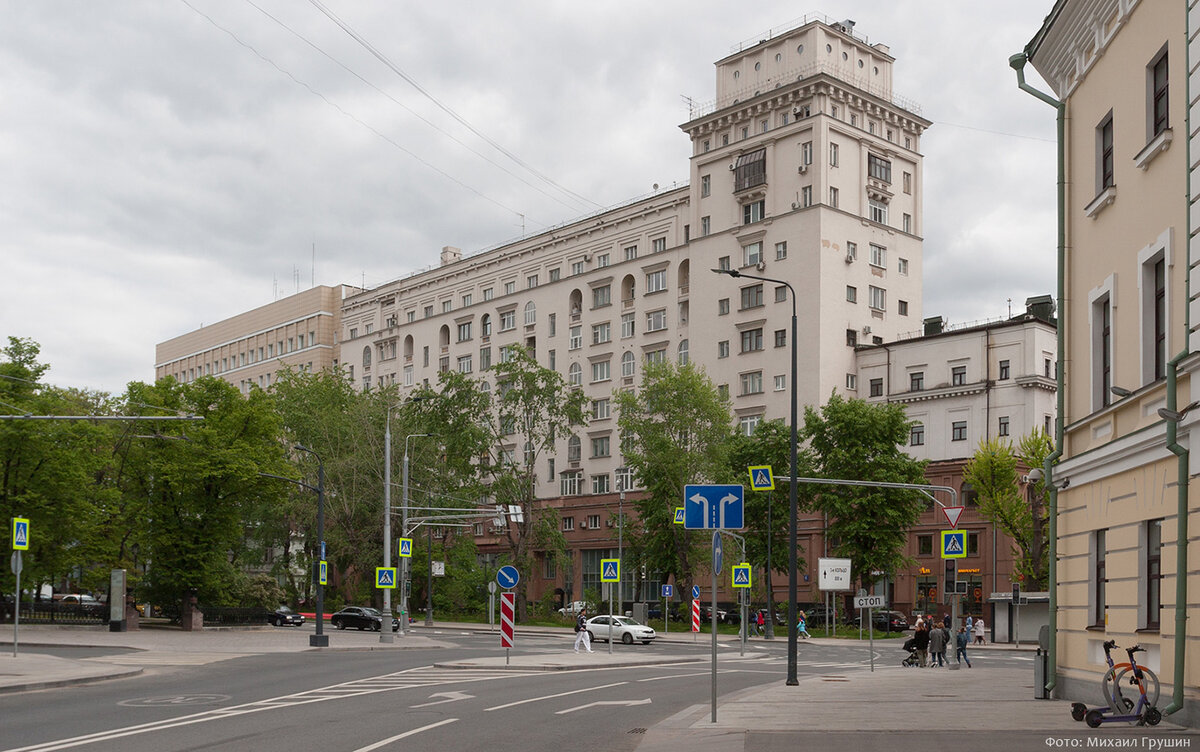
(49, 612)
(233, 616)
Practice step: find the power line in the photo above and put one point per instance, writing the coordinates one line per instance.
(462, 121)
(408, 109)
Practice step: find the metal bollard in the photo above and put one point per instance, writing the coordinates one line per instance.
(1040, 660)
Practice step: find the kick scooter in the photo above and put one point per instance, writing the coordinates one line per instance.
(1142, 713)
(1111, 684)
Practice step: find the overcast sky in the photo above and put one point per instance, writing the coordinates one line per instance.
(170, 163)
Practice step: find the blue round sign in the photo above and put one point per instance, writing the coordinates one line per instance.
(508, 577)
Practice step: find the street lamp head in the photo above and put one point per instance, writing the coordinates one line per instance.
(730, 272)
(301, 448)
(1120, 391)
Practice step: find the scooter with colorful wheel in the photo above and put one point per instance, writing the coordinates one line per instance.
(1143, 712)
(1111, 684)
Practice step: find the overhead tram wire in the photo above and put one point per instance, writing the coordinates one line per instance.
(462, 121)
(412, 112)
(349, 115)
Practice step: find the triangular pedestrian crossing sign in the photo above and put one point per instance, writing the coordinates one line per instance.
(20, 539)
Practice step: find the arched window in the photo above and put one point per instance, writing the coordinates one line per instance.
(367, 357)
(575, 375)
(627, 288)
(408, 347)
(576, 302)
(485, 325)
(627, 364)
(683, 352)
(530, 313)
(485, 387)
(574, 449)
(444, 336)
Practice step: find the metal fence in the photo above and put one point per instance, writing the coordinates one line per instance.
(233, 616)
(50, 612)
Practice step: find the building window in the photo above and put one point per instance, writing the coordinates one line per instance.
(1005, 371)
(656, 321)
(568, 523)
(485, 360)
(575, 338)
(906, 223)
(876, 387)
(508, 320)
(722, 306)
(907, 180)
(780, 383)
(600, 446)
(510, 288)
(705, 226)
(753, 211)
(577, 267)
(902, 266)
(601, 333)
(851, 338)
(705, 185)
(600, 485)
(1153, 573)
(552, 320)
(878, 211)
(781, 295)
(806, 196)
(601, 296)
(575, 375)
(852, 381)
(916, 435)
(751, 254)
(1158, 95)
(1102, 351)
(464, 364)
(781, 251)
(752, 296)
(1104, 154)
(916, 381)
(833, 197)
(958, 430)
(530, 314)
(851, 294)
(531, 281)
(555, 275)
(656, 356)
(569, 486)
(851, 251)
(752, 339)
(879, 168)
(1100, 580)
(958, 376)
(631, 252)
(747, 424)
(833, 155)
(1002, 428)
(902, 307)
(656, 281)
(924, 545)
(627, 325)
(601, 260)
(658, 245)
(627, 364)
(600, 409)
(878, 256)
(781, 337)
(806, 153)
(487, 293)
(752, 383)
(683, 352)
(750, 170)
(878, 298)
(600, 371)
(723, 349)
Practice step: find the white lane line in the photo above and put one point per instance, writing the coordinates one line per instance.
(398, 737)
(551, 697)
(701, 673)
(604, 702)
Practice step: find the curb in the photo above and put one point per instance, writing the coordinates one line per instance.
(75, 681)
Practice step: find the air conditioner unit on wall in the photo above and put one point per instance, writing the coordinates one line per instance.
(849, 258)
(803, 169)
(866, 330)
(761, 265)
(610, 523)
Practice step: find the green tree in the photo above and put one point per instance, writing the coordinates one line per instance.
(675, 430)
(992, 472)
(854, 440)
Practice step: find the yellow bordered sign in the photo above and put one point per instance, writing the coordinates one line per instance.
(761, 478)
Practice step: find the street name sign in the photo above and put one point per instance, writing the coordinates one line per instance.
(713, 507)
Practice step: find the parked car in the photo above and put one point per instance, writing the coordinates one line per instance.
(82, 603)
(887, 621)
(361, 618)
(574, 607)
(625, 629)
(285, 617)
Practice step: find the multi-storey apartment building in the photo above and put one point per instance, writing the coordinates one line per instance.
(1122, 72)
(250, 348)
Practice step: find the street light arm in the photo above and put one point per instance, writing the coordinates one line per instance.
(300, 483)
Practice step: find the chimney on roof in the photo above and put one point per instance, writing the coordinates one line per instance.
(450, 254)
(934, 325)
(1040, 307)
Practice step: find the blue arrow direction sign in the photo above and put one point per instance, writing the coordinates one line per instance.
(668, 591)
(713, 507)
(610, 570)
(20, 534)
(717, 552)
(695, 592)
(508, 577)
(741, 576)
(385, 577)
(406, 548)
(761, 478)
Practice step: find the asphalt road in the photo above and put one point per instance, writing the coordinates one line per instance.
(396, 699)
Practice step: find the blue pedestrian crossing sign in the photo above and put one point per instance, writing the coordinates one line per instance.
(668, 591)
(695, 592)
(678, 515)
(406, 548)
(761, 478)
(20, 534)
(610, 570)
(323, 573)
(741, 575)
(954, 544)
(713, 507)
(385, 577)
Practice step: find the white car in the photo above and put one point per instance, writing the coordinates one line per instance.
(573, 608)
(625, 629)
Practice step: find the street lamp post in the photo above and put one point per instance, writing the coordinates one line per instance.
(792, 679)
(320, 639)
(404, 563)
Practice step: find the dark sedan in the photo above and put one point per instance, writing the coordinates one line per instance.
(361, 617)
(888, 621)
(285, 617)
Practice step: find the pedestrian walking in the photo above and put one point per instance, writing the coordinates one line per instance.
(979, 627)
(760, 624)
(802, 627)
(960, 640)
(970, 624)
(921, 644)
(938, 637)
(582, 636)
(946, 620)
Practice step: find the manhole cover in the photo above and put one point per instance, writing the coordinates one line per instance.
(168, 701)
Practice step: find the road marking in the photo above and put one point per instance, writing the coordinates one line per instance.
(398, 737)
(551, 697)
(450, 697)
(164, 658)
(604, 702)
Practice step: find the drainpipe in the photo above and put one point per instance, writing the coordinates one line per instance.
(1018, 62)
(1181, 537)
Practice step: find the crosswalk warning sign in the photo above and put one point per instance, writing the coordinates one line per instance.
(761, 478)
(678, 515)
(954, 544)
(385, 577)
(20, 534)
(610, 570)
(741, 576)
(406, 547)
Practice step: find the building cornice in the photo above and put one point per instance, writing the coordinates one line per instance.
(1073, 37)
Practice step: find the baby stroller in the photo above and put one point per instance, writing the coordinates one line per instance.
(913, 659)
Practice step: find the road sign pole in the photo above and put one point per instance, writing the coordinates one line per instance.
(713, 621)
(17, 600)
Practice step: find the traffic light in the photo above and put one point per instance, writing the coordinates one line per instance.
(951, 579)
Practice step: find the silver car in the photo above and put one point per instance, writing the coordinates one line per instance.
(625, 629)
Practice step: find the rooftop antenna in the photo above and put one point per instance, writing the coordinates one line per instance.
(313, 282)
(1010, 308)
